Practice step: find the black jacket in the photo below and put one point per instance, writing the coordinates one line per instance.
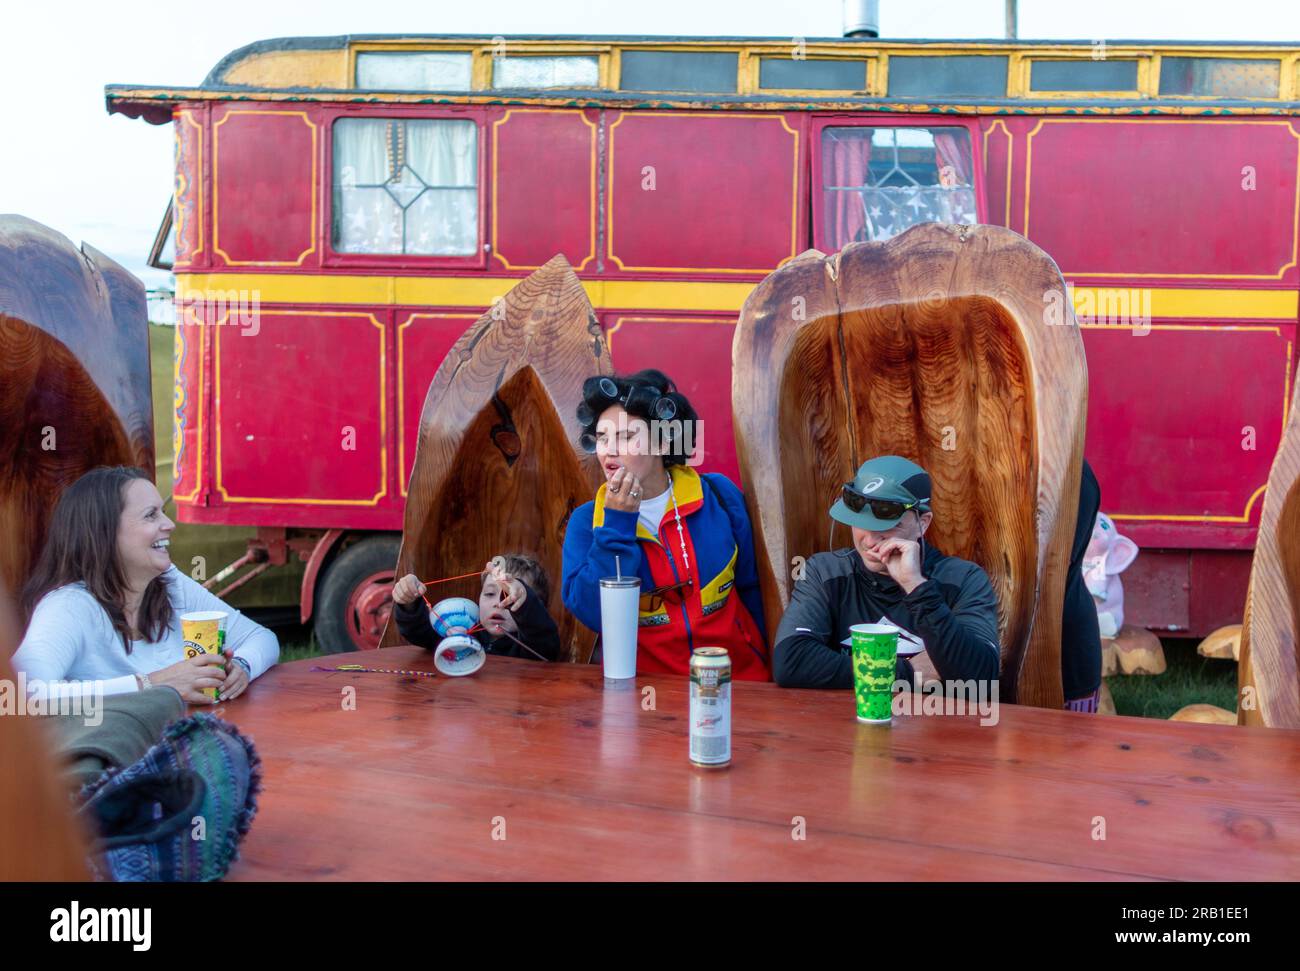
(1080, 632)
(954, 610)
(536, 629)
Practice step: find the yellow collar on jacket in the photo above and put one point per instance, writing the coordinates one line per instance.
(687, 488)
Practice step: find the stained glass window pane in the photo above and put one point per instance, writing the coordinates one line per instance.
(405, 186)
(876, 182)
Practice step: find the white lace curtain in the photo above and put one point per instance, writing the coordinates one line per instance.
(862, 204)
(406, 187)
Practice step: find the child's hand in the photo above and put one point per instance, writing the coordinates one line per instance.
(513, 592)
(407, 590)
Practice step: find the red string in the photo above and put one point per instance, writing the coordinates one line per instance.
(507, 633)
(476, 627)
(437, 615)
(430, 583)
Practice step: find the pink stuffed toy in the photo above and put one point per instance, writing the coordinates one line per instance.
(1108, 555)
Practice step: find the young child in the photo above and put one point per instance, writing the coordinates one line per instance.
(511, 610)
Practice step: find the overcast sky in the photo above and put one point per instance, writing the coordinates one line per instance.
(66, 163)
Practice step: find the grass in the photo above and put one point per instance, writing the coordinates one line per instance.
(297, 642)
(1188, 679)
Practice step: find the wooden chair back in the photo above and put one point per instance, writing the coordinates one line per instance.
(1270, 632)
(74, 379)
(498, 468)
(955, 347)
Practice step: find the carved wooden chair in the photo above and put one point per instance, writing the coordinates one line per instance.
(498, 468)
(74, 379)
(1270, 635)
(956, 347)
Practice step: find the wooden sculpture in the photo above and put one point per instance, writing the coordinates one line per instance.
(1135, 650)
(74, 379)
(955, 347)
(1224, 643)
(498, 467)
(1267, 669)
(1204, 715)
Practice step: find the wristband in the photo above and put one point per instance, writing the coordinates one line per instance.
(145, 684)
(248, 668)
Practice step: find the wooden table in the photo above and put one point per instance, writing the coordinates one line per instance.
(413, 784)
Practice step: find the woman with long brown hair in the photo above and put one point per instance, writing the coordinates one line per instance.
(104, 602)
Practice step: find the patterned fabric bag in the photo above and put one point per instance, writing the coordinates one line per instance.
(179, 812)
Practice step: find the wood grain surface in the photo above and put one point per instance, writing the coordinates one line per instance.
(589, 783)
(938, 346)
(39, 838)
(1270, 632)
(74, 379)
(498, 468)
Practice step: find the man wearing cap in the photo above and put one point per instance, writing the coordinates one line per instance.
(889, 573)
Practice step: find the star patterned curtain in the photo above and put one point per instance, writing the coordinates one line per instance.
(880, 181)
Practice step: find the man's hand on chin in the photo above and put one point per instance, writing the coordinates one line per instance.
(902, 558)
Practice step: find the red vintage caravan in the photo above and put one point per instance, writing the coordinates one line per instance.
(346, 206)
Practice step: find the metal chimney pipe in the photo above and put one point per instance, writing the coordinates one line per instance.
(861, 18)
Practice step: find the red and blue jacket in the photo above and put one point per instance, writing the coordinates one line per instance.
(723, 608)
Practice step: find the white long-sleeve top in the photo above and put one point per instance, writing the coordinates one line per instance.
(70, 643)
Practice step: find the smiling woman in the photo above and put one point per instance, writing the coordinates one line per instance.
(104, 602)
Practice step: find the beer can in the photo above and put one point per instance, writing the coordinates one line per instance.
(710, 707)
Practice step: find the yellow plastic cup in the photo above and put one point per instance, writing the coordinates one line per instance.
(204, 632)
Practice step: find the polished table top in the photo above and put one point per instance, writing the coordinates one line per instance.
(423, 778)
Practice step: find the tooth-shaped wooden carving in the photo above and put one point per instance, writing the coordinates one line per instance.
(74, 379)
(956, 347)
(1268, 668)
(498, 467)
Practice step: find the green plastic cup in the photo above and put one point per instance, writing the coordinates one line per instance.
(875, 653)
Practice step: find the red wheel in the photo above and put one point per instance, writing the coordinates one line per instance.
(367, 609)
(356, 596)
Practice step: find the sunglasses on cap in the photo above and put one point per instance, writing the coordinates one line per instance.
(673, 593)
(856, 501)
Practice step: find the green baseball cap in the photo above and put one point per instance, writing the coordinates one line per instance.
(882, 480)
